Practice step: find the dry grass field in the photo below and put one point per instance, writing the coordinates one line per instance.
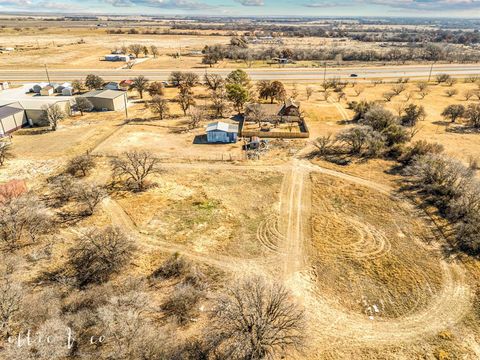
(368, 266)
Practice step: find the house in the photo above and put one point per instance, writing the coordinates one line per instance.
(4, 85)
(111, 86)
(125, 84)
(47, 91)
(103, 100)
(221, 132)
(289, 111)
(12, 117)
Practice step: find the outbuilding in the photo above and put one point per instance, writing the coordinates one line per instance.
(4, 85)
(12, 117)
(103, 100)
(68, 91)
(221, 132)
(47, 91)
(35, 109)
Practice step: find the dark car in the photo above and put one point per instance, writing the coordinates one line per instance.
(353, 75)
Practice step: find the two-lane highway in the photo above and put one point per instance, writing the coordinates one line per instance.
(274, 73)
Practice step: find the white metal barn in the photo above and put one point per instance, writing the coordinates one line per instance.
(12, 117)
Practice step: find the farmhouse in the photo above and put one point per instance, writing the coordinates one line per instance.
(103, 100)
(220, 132)
(12, 117)
(289, 111)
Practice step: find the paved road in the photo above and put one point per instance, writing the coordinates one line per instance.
(286, 74)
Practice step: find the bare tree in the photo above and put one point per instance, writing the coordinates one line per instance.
(154, 51)
(181, 303)
(159, 105)
(451, 92)
(472, 114)
(219, 101)
(136, 49)
(359, 90)
(213, 81)
(468, 94)
(89, 195)
(53, 114)
(23, 218)
(11, 294)
(98, 254)
(309, 91)
(398, 88)
(134, 167)
(80, 165)
(185, 98)
(255, 320)
(196, 115)
(5, 152)
(388, 96)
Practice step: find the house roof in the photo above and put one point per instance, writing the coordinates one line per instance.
(222, 126)
(7, 110)
(271, 110)
(104, 94)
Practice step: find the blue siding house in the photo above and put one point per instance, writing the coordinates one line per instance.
(220, 132)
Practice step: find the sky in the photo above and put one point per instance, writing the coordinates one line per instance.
(393, 8)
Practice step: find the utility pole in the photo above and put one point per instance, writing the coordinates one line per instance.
(48, 76)
(430, 74)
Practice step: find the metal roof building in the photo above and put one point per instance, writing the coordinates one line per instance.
(221, 132)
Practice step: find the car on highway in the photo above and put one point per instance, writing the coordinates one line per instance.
(353, 75)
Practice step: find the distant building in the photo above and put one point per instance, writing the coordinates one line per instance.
(221, 132)
(117, 57)
(4, 85)
(289, 111)
(103, 100)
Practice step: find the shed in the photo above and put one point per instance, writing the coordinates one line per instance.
(68, 91)
(12, 117)
(221, 132)
(47, 91)
(59, 88)
(38, 87)
(101, 100)
(4, 85)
